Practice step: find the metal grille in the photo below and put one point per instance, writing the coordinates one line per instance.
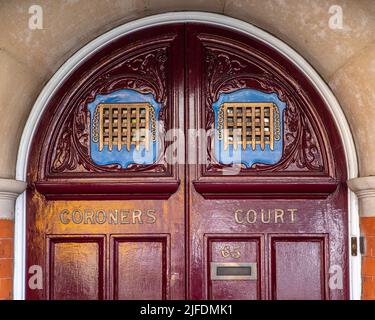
(124, 125)
(245, 123)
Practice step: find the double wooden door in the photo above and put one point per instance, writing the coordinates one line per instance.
(186, 223)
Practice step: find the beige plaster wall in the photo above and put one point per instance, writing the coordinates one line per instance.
(345, 57)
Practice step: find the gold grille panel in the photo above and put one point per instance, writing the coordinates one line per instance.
(248, 123)
(123, 125)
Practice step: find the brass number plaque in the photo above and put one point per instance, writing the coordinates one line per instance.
(228, 251)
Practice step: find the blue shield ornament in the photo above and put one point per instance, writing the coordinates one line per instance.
(248, 127)
(123, 128)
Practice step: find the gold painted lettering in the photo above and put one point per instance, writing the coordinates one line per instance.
(137, 215)
(77, 216)
(89, 215)
(97, 216)
(263, 216)
(255, 216)
(63, 216)
(113, 217)
(151, 215)
(293, 214)
(125, 216)
(279, 214)
(237, 216)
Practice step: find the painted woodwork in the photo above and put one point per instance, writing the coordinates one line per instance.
(260, 214)
(145, 67)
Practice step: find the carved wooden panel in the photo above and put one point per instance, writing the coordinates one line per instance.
(76, 267)
(229, 67)
(140, 266)
(235, 67)
(298, 267)
(235, 251)
(143, 72)
(148, 67)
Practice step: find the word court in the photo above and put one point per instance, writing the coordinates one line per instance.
(265, 216)
(116, 216)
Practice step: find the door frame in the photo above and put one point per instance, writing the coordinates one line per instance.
(167, 18)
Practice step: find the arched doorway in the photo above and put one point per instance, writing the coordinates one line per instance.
(193, 229)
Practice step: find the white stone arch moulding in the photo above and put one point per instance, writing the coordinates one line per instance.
(203, 17)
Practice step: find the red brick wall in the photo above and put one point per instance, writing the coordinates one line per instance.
(368, 262)
(6, 259)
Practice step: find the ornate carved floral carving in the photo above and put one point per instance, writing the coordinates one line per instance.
(226, 73)
(146, 73)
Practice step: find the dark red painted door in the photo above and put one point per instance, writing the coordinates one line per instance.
(187, 223)
(286, 221)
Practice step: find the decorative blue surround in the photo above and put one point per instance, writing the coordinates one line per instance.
(122, 153)
(265, 149)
